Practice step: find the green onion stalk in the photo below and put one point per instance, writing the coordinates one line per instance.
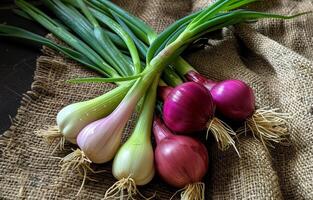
(189, 32)
(99, 140)
(65, 35)
(141, 31)
(169, 75)
(88, 142)
(128, 171)
(72, 118)
(166, 48)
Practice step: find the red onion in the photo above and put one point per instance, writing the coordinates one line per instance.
(181, 161)
(188, 108)
(234, 99)
(163, 92)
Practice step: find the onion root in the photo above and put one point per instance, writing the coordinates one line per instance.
(193, 191)
(222, 133)
(52, 135)
(268, 126)
(78, 161)
(117, 190)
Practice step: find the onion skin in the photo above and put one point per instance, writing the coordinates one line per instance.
(135, 160)
(180, 160)
(234, 99)
(101, 139)
(198, 78)
(74, 117)
(188, 108)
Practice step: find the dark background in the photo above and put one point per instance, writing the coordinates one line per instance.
(17, 64)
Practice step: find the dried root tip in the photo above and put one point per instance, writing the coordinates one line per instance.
(269, 126)
(222, 133)
(52, 135)
(116, 191)
(77, 161)
(193, 191)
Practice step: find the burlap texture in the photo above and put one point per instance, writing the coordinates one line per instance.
(275, 58)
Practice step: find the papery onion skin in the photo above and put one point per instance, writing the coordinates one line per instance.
(198, 78)
(188, 108)
(180, 160)
(234, 99)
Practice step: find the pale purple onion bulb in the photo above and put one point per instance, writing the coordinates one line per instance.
(179, 160)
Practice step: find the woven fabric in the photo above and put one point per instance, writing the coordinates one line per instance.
(273, 56)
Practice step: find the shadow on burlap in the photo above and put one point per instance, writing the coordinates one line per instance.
(274, 58)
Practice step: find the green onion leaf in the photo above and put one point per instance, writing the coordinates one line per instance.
(65, 36)
(104, 80)
(147, 33)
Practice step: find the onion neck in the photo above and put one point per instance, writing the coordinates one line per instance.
(187, 71)
(182, 66)
(156, 66)
(163, 92)
(160, 131)
(198, 78)
(171, 77)
(142, 130)
(166, 56)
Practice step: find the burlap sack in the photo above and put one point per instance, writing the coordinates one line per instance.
(276, 60)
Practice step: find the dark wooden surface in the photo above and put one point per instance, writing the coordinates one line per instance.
(17, 64)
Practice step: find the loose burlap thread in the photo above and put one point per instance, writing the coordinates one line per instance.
(273, 56)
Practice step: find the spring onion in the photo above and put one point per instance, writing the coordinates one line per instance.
(274, 129)
(134, 162)
(74, 117)
(99, 138)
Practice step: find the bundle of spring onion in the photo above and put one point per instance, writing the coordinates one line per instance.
(122, 48)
